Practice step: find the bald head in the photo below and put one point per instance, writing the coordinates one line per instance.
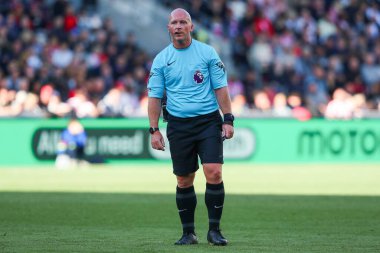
(179, 12)
(180, 28)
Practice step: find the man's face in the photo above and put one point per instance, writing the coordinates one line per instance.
(180, 27)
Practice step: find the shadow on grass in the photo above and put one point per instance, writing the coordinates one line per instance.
(104, 222)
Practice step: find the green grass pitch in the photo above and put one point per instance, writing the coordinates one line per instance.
(131, 208)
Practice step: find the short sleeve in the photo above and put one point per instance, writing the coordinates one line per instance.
(218, 75)
(156, 82)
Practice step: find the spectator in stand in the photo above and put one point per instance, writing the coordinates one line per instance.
(62, 56)
(299, 111)
(316, 91)
(239, 105)
(263, 25)
(45, 95)
(57, 108)
(280, 106)
(370, 72)
(262, 104)
(360, 106)
(354, 83)
(250, 84)
(341, 106)
(82, 106)
(30, 107)
(70, 19)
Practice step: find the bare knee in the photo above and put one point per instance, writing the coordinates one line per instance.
(213, 173)
(185, 181)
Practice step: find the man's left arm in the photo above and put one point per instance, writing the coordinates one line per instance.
(224, 101)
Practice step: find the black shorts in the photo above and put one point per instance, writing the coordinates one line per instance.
(192, 137)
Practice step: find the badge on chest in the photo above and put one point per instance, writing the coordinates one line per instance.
(198, 77)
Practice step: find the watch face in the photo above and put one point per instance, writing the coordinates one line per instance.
(152, 130)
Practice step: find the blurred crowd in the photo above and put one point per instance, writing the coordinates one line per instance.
(58, 61)
(301, 59)
(321, 57)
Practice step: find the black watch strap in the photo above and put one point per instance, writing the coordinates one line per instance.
(229, 119)
(153, 129)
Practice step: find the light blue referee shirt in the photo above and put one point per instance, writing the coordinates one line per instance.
(189, 77)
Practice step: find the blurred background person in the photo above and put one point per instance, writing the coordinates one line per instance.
(70, 151)
(341, 106)
(280, 106)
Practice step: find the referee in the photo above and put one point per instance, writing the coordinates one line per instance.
(195, 81)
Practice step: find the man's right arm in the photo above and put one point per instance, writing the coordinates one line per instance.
(154, 111)
(156, 84)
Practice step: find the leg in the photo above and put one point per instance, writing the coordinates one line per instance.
(214, 196)
(186, 203)
(185, 181)
(214, 199)
(213, 172)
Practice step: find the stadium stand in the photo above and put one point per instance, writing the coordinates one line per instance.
(290, 58)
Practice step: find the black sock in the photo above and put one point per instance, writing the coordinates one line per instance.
(214, 199)
(186, 203)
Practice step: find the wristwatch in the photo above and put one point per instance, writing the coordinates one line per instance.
(229, 119)
(153, 129)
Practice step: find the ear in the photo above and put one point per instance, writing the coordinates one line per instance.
(192, 27)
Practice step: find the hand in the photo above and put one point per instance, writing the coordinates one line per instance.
(227, 131)
(157, 141)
